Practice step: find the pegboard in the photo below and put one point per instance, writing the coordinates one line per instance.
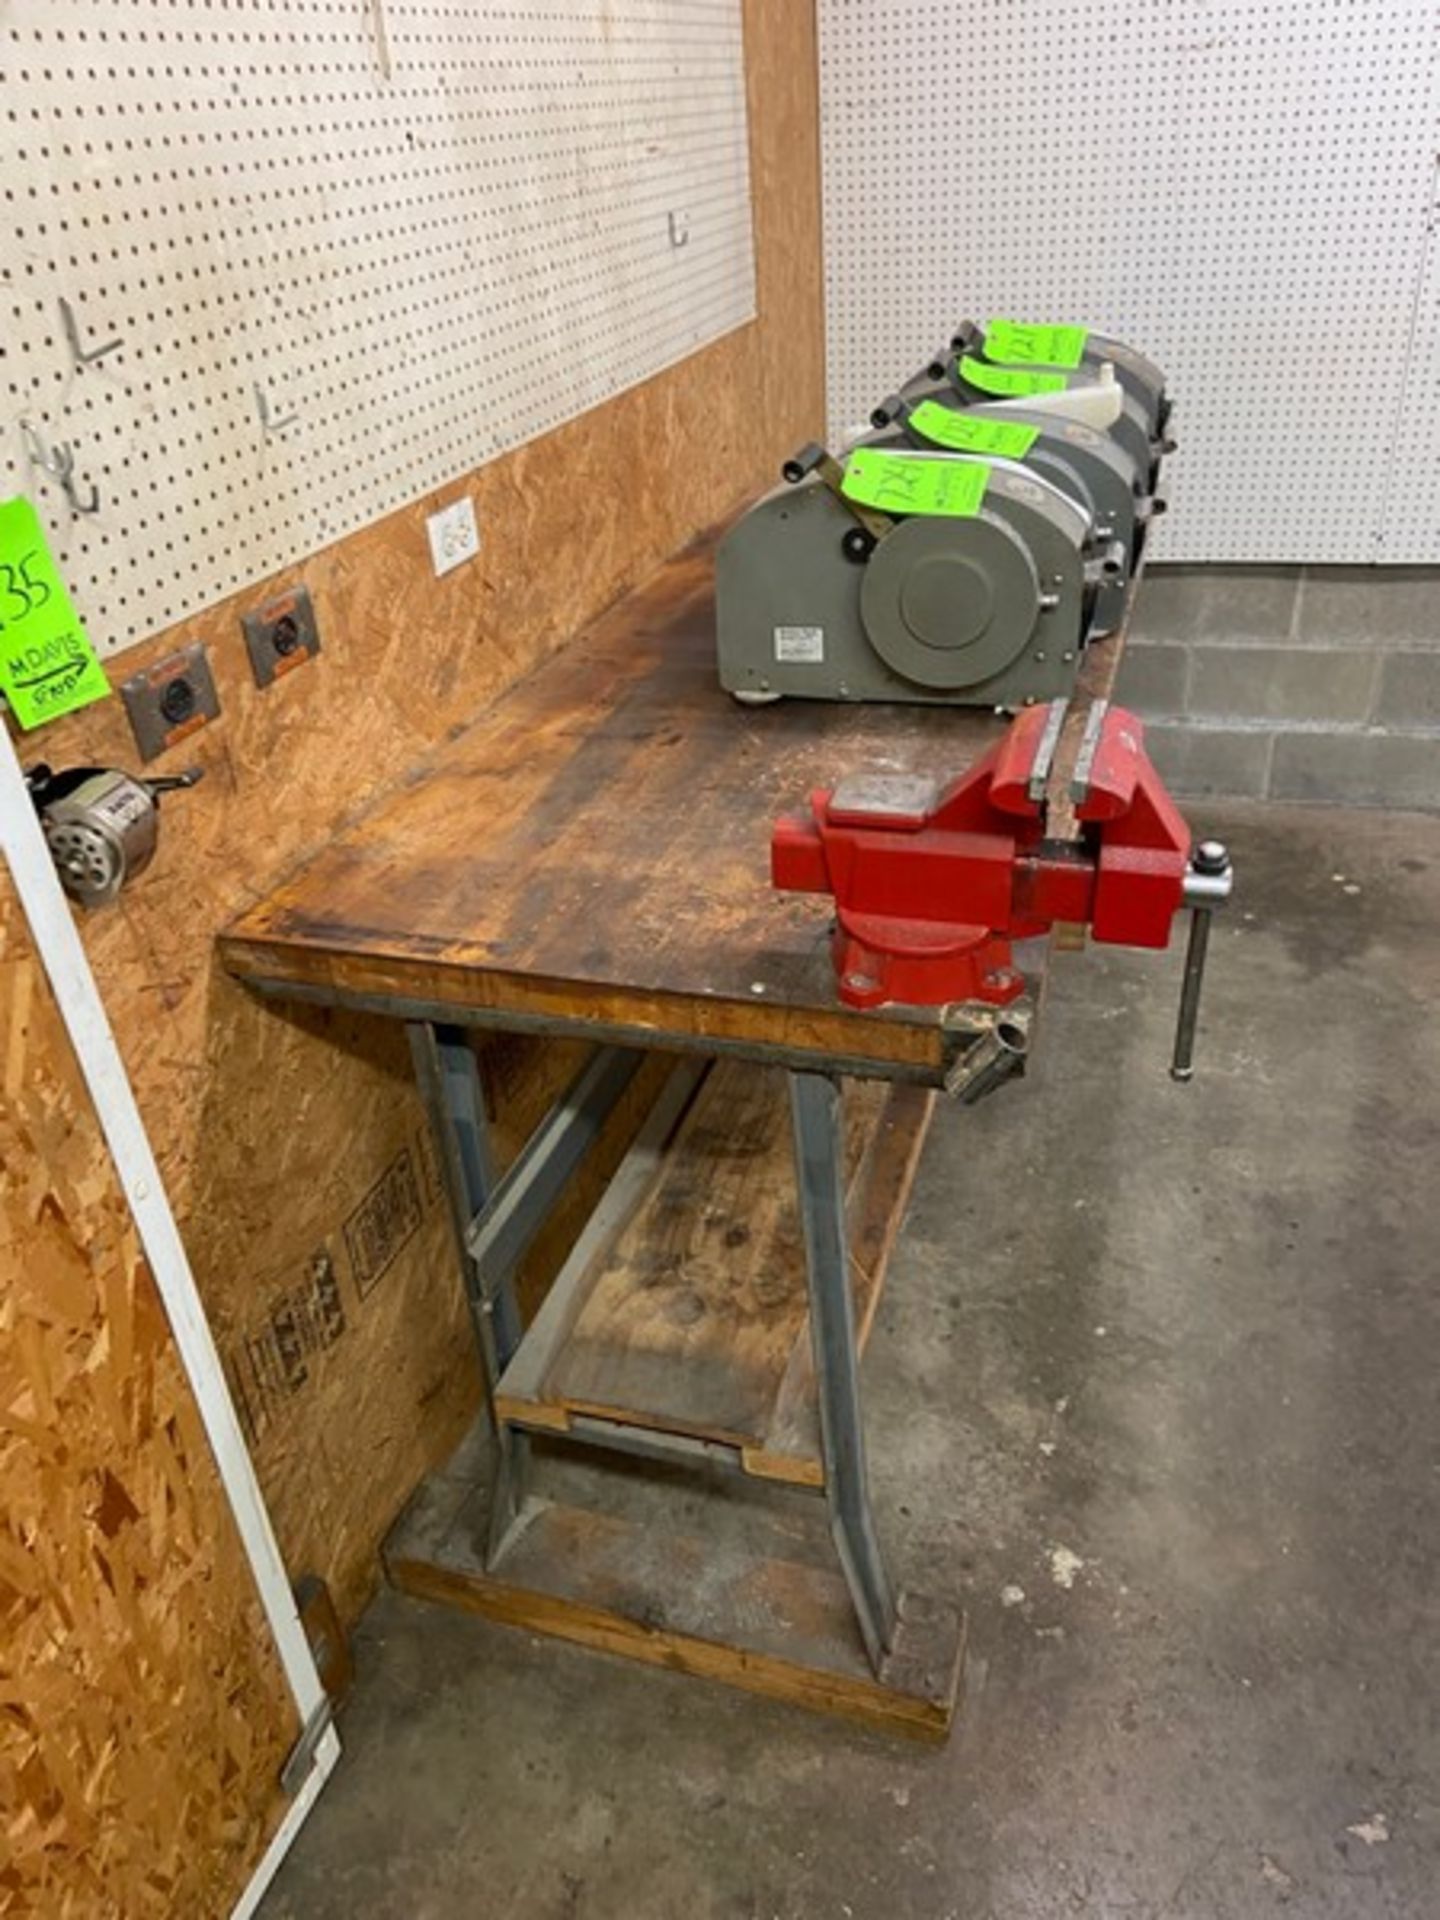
(1412, 514)
(348, 251)
(1242, 188)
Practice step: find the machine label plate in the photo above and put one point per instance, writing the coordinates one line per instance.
(972, 433)
(924, 483)
(805, 644)
(1014, 343)
(1009, 382)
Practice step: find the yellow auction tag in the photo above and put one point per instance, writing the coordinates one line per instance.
(1010, 383)
(915, 483)
(971, 432)
(47, 664)
(1015, 343)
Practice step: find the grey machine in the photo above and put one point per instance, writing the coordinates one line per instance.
(965, 376)
(821, 596)
(1088, 464)
(1142, 380)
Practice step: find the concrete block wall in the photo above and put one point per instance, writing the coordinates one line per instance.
(1291, 683)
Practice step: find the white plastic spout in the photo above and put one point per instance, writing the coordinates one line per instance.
(1099, 403)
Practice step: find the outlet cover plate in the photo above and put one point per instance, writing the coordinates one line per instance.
(171, 700)
(454, 536)
(281, 635)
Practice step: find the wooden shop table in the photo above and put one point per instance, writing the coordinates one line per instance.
(591, 859)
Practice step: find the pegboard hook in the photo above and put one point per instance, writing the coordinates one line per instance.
(267, 419)
(83, 355)
(59, 463)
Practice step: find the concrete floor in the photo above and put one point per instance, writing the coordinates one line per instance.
(1156, 1377)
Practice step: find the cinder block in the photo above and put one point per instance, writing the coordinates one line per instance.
(1153, 679)
(1409, 690)
(1283, 683)
(1364, 769)
(1241, 606)
(1388, 606)
(1211, 760)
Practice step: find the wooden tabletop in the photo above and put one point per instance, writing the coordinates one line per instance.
(593, 854)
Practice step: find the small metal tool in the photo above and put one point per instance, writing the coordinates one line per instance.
(102, 825)
(1207, 886)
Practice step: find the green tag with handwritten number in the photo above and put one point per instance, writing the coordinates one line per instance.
(47, 664)
(1010, 383)
(1014, 343)
(915, 483)
(972, 432)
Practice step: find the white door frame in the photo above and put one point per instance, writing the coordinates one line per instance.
(52, 926)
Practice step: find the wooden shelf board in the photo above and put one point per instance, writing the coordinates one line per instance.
(688, 1315)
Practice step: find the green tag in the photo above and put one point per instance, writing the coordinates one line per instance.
(1014, 344)
(1009, 382)
(972, 433)
(47, 665)
(915, 483)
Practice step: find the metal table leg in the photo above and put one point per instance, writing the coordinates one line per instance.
(815, 1107)
(449, 1082)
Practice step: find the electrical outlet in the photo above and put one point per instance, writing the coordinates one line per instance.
(281, 635)
(454, 536)
(171, 700)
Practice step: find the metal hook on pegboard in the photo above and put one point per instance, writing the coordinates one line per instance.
(267, 419)
(58, 462)
(84, 356)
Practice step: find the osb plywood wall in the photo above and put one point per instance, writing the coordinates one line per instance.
(292, 1143)
(145, 1716)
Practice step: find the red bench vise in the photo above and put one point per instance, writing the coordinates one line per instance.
(933, 883)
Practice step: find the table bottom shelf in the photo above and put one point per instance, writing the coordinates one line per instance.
(683, 1310)
(697, 1570)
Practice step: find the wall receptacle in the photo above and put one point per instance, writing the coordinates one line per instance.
(454, 536)
(171, 700)
(281, 635)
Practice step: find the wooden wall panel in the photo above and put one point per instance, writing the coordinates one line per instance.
(143, 1713)
(291, 1143)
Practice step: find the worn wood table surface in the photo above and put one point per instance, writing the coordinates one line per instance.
(594, 853)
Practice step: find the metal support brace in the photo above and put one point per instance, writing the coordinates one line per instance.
(497, 1238)
(815, 1108)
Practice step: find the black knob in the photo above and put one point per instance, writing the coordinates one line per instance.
(800, 464)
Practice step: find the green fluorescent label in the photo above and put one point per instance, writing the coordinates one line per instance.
(47, 665)
(1014, 344)
(915, 483)
(1009, 382)
(970, 433)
